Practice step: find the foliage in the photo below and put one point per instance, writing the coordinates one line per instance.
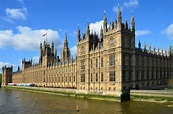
(0, 79)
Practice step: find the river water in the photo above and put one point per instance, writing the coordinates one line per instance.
(24, 102)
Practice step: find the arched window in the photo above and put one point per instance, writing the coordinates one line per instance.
(112, 60)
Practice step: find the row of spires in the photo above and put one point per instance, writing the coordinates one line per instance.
(170, 50)
(117, 24)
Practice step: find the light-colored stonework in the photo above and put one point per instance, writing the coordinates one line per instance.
(106, 65)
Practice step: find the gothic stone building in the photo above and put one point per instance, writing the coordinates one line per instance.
(108, 64)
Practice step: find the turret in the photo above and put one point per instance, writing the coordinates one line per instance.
(119, 18)
(154, 49)
(52, 47)
(145, 47)
(139, 45)
(132, 27)
(55, 52)
(149, 48)
(18, 69)
(65, 41)
(126, 24)
(41, 53)
(65, 51)
(170, 51)
(7, 75)
(41, 49)
(88, 30)
(105, 22)
(78, 34)
(101, 34)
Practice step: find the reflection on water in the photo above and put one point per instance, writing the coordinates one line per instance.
(20, 102)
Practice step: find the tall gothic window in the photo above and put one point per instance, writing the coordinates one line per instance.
(112, 60)
(74, 78)
(91, 63)
(101, 76)
(82, 64)
(96, 63)
(91, 78)
(82, 77)
(102, 62)
(112, 76)
(96, 77)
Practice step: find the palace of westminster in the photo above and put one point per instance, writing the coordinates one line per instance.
(109, 63)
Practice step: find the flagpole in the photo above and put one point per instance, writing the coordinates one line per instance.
(45, 34)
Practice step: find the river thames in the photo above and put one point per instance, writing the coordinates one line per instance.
(24, 102)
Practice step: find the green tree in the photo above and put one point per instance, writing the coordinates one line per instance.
(0, 79)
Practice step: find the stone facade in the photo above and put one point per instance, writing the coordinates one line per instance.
(108, 64)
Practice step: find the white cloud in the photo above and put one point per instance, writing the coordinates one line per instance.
(7, 19)
(28, 39)
(35, 59)
(131, 3)
(142, 32)
(2, 64)
(95, 27)
(168, 31)
(16, 13)
(73, 50)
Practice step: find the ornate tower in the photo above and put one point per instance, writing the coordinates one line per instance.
(6, 75)
(41, 53)
(132, 23)
(105, 22)
(78, 34)
(65, 56)
(101, 34)
(47, 54)
(119, 18)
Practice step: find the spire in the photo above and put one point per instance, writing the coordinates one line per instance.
(145, 47)
(55, 52)
(65, 41)
(170, 50)
(88, 29)
(78, 33)
(158, 50)
(105, 22)
(119, 18)
(132, 23)
(65, 51)
(101, 34)
(139, 45)
(18, 69)
(52, 46)
(154, 48)
(126, 24)
(41, 52)
(119, 15)
(149, 48)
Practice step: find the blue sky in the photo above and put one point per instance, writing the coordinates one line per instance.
(23, 22)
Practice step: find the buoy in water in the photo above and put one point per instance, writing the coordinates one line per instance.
(36, 100)
(77, 108)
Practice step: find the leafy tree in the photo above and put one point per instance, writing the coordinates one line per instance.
(0, 79)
